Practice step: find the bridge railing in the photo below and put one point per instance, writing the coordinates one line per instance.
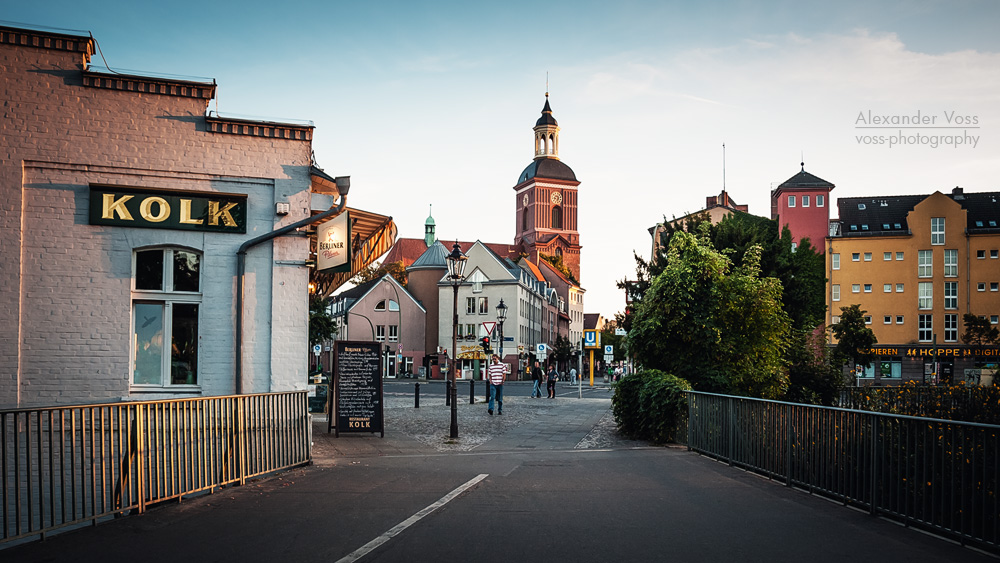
(72, 465)
(932, 474)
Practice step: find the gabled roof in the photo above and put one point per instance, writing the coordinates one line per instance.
(357, 293)
(886, 215)
(408, 250)
(805, 180)
(532, 268)
(545, 264)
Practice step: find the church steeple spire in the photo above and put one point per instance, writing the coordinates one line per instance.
(429, 228)
(546, 133)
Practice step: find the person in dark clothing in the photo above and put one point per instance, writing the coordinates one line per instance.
(536, 390)
(551, 377)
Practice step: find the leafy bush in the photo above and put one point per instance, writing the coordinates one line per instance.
(966, 403)
(649, 404)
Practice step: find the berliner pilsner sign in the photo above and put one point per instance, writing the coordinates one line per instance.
(333, 248)
(160, 209)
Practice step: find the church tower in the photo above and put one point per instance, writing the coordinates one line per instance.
(546, 200)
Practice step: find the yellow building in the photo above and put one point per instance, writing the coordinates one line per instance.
(917, 264)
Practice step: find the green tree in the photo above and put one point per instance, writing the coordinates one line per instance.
(609, 338)
(321, 324)
(562, 350)
(376, 270)
(720, 327)
(812, 376)
(557, 262)
(979, 331)
(854, 339)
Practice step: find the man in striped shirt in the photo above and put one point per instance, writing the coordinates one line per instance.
(497, 374)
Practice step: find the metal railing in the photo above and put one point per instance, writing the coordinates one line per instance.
(70, 465)
(933, 474)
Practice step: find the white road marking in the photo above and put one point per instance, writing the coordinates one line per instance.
(395, 530)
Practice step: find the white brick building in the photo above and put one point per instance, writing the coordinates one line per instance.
(101, 312)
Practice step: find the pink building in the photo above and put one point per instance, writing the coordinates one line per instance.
(803, 203)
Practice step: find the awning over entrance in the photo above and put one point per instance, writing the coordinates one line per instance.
(371, 236)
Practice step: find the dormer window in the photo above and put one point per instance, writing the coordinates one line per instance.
(861, 206)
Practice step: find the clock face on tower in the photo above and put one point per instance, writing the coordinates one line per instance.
(525, 200)
(556, 198)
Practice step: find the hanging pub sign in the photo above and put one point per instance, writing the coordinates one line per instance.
(333, 248)
(168, 209)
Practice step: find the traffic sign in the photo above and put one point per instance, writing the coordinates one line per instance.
(489, 326)
(620, 332)
(609, 350)
(591, 339)
(608, 358)
(316, 349)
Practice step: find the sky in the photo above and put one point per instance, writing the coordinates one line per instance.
(432, 103)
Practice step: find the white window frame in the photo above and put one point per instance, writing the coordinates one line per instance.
(951, 263)
(937, 231)
(868, 256)
(886, 256)
(925, 295)
(899, 256)
(899, 319)
(393, 333)
(887, 288)
(899, 288)
(805, 200)
(855, 288)
(868, 288)
(835, 292)
(951, 295)
(925, 328)
(925, 264)
(835, 261)
(165, 298)
(951, 327)
(820, 200)
(791, 201)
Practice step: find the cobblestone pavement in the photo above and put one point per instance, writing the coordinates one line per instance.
(427, 427)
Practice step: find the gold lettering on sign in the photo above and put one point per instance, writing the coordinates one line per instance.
(146, 208)
(214, 213)
(186, 214)
(112, 206)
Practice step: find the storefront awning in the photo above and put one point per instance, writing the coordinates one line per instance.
(372, 235)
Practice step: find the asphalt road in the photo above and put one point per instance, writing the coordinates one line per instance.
(527, 495)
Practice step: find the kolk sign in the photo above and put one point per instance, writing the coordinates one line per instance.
(181, 210)
(333, 248)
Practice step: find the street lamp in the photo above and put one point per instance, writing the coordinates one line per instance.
(456, 267)
(501, 317)
(399, 327)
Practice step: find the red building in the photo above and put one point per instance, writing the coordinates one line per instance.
(803, 203)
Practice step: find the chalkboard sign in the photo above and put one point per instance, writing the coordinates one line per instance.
(357, 381)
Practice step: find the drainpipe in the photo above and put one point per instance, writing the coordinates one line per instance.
(343, 186)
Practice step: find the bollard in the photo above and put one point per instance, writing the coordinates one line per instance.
(416, 395)
(447, 392)
(472, 391)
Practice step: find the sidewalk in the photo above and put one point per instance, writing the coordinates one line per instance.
(561, 423)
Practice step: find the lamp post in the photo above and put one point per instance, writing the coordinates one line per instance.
(501, 317)
(399, 327)
(456, 267)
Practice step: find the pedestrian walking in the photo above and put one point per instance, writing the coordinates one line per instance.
(536, 390)
(572, 375)
(552, 376)
(497, 374)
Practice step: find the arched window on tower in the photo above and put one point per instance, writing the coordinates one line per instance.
(559, 251)
(556, 217)
(524, 219)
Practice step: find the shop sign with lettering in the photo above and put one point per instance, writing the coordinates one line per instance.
(163, 209)
(333, 248)
(929, 351)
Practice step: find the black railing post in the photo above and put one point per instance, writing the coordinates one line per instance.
(472, 391)
(416, 395)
